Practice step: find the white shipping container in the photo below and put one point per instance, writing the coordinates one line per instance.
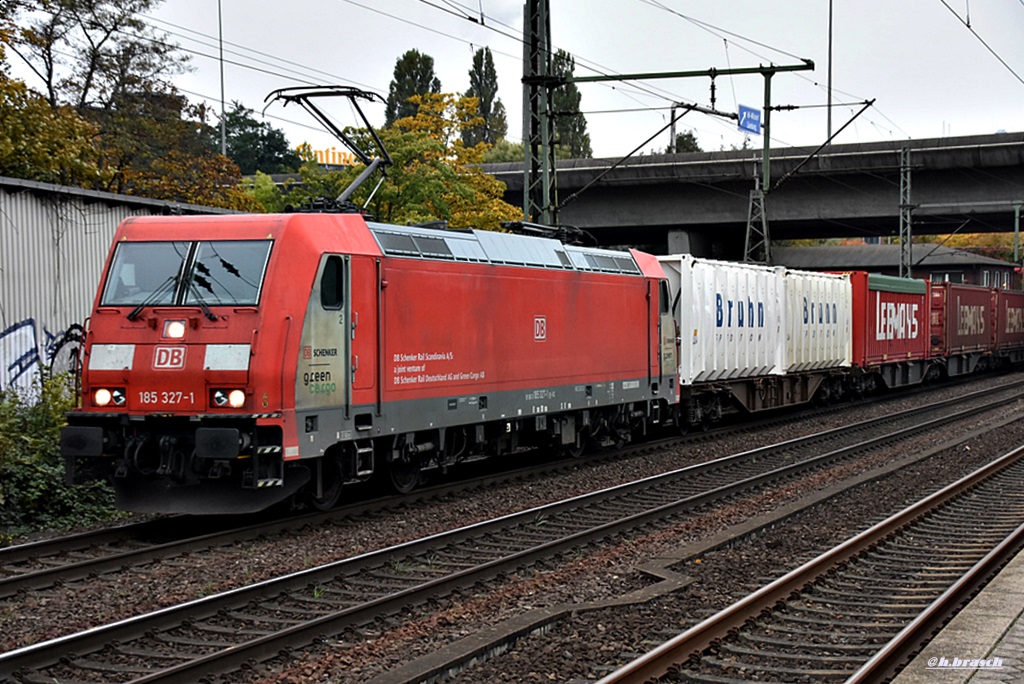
(730, 318)
(819, 321)
(746, 320)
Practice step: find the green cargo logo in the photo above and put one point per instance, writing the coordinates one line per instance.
(319, 382)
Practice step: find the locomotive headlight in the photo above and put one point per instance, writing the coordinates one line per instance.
(229, 398)
(107, 397)
(174, 330)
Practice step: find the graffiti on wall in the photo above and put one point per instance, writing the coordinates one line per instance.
(25, 351)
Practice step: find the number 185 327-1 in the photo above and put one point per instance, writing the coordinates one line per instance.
(166, 397)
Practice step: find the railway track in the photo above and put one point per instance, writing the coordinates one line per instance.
(252, 623)
(38, 565)
(859, 611)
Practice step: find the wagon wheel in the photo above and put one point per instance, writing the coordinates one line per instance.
(333, 480)
(682, 423)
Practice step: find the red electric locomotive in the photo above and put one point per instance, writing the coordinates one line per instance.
(232, 362)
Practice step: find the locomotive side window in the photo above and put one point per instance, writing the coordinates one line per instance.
(663, 298)
(144, 272)
(332, 284)
(228, 272)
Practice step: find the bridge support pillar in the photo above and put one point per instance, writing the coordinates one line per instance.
(688, 242)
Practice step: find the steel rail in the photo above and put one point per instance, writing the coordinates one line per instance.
(694, 641)
(886, 662)
(136, 533)
(47, 653)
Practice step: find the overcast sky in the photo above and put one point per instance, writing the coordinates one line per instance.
(930, 74)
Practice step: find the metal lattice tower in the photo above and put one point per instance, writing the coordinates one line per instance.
(757, 246)
(538, 119)
(906, 208)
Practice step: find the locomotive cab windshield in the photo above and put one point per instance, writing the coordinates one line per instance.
(178, 273)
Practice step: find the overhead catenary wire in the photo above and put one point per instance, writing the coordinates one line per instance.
(988, 47)
(718, 33)
(513, 33)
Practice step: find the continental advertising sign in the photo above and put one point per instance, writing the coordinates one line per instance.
(331, 157)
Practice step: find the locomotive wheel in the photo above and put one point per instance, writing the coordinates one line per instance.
(405, 474)
(332, 481)
(576, 449)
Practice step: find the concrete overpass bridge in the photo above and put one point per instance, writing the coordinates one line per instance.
(698, 202)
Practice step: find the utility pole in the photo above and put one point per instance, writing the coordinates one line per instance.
(223, 123)
(829, 89)
(537, 159)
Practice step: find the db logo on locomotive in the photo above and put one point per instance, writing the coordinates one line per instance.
(540, 328)
(169, 358)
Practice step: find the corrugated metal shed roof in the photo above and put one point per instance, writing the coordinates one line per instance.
(112, 198)
(875, 257)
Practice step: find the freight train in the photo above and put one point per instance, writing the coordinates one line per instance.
(234, 362)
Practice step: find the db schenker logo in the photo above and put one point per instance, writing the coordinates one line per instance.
(169, 358)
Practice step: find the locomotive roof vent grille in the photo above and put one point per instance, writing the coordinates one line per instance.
(498, 248)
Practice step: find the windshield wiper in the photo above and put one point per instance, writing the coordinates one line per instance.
(200, 301)
(169, 284)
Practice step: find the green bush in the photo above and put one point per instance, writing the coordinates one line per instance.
(33, 494)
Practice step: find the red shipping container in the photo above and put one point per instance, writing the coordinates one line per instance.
(1009, 319)
(890, 319)
(962, 319)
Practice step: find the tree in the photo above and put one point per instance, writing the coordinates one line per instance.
(504, 151)
(99, 59)
(687, 142)
(263, 188)
(414, 75)
(144, 127)
(994, 245)
(255, 145)
(212, 181)
(570, 124)
(39, 142)
(435, 175)
(483, 85)
(89, 53)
